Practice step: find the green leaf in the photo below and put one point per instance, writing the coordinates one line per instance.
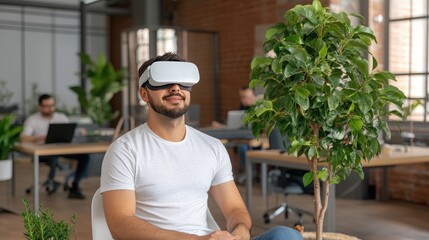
(338, 133)
(317, 6)
(333, 102)
(260, 62)
(323, 174)
(323, 52)
(276, 66)
(312, 151)
(307, 178)
(374, 63)
(295, 39)
(301, 97)
(274, 30)
(363, 100)
(319, 80)
(356, 123)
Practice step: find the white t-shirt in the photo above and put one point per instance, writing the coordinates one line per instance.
(170, 179)
(37, 125)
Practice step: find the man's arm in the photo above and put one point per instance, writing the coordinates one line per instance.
(229, 200)
(119, 208)
(32, 139)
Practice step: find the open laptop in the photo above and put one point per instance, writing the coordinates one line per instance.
(234, 119)
(60, 132)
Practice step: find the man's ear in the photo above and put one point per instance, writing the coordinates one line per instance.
(143, 94)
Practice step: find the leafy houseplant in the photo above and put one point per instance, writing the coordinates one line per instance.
(44, 227)
(322, 93)
(9, 134)
(105, 82)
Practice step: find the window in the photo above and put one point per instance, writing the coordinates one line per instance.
(408, 51)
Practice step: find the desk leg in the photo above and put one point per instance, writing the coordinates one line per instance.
(264, 179)
(36, 184)
(329, 225)
(249, 185)
(385, 188)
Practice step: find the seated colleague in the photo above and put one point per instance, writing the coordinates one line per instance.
(35, 130)
(247, 99)
(156, 178)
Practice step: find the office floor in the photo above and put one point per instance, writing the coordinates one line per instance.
(368, 219)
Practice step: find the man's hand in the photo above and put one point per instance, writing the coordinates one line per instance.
(219, 235)
(241, 232)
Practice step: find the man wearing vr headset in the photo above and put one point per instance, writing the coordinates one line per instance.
(156, 178)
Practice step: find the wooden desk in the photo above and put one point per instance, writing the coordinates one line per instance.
(223, 133)
(391, 157)
(38, 150)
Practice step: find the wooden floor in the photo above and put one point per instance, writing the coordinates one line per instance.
(367, 219)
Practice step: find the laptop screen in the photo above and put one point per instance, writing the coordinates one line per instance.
(60, 132)
(235, 119)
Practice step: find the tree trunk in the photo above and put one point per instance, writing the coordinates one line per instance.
(317, 200)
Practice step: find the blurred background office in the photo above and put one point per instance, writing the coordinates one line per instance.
(40, 39)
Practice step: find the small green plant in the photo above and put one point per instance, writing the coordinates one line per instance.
(43, 226)
(9, 134)
(105, 83)
(5, 94)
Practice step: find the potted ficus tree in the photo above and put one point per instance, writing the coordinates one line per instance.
(9, 135)
(321, 91)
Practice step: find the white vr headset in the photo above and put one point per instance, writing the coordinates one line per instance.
(170, 72)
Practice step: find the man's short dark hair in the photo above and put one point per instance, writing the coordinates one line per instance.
(246, 87)
(43, 97)
(166, 57)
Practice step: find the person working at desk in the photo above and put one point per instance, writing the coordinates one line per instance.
(156, 178)
(247, 99)
(35, 131)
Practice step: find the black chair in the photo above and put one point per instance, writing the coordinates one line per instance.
(51, 185)
(286, 182)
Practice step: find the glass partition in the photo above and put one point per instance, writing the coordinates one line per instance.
(199, 47)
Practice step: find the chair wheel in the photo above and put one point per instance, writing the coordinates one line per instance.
(267, 219)
(51, 188)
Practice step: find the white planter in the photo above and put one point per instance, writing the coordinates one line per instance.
(5, 169)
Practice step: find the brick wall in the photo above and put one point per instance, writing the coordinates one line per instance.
(235, 21)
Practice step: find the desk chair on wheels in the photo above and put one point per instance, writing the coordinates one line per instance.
(51, 185)
(285, 181)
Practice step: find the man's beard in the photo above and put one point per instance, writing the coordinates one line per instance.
(171, 113)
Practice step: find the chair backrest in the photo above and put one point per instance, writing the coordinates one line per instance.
(100, 230)
(211, 222)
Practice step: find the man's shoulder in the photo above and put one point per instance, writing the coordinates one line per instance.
(33, 117)
(60, 115)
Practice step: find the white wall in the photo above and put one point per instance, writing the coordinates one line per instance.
(40, 46)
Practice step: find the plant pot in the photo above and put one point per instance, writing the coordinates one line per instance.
(5, 169)
(328, 236)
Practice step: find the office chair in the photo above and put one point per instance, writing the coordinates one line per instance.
(285, 181)
(100, 230)
(51, 185)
